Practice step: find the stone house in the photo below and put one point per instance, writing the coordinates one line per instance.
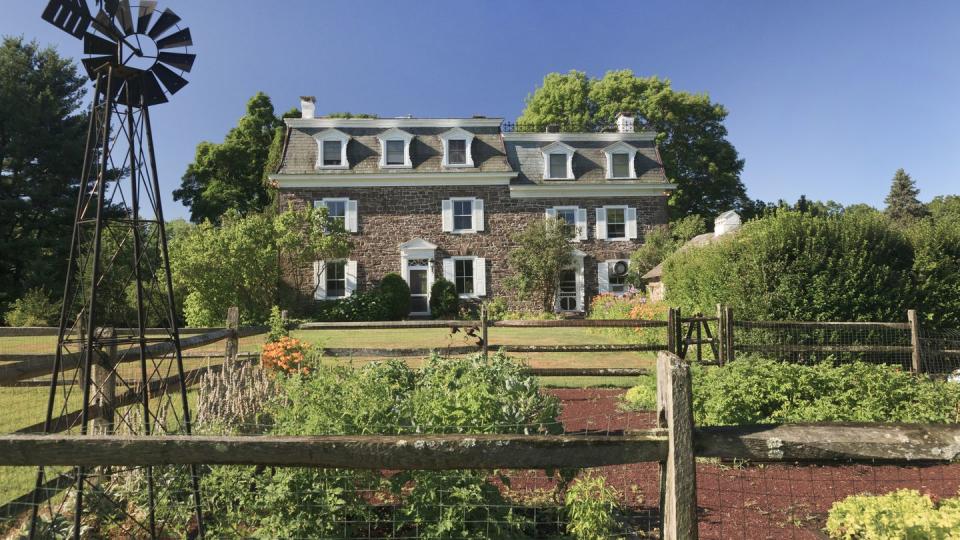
(442, 197)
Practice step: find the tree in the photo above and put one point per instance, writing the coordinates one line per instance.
(42, 139)
(542, 251)
(690, 132)
(230, 175)
(902, 203)
(660, 242)
(305, 235)
(944, 207)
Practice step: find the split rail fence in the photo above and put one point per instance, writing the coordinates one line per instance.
(674, 444)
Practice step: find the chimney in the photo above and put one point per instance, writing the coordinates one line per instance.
(726, 222)
(625, 123)
(308, 105)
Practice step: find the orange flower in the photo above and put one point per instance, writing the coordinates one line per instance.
(286, 354)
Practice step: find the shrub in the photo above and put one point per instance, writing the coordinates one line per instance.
(630, 305)
(496, 309)
(542, 251)
(278, 327)
(444, 300)
(660, 242)
(590, 506)
(359, 306)
(904, 513)
(756, 391)
(936, 265)
(286, 354)
(34, 308)
(396, 295)
(793, 266)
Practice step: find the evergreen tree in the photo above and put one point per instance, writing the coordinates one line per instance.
(902, 202)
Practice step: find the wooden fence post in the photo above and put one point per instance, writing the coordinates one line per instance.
(284, 318)
(484, 342)
(232, 343)
(728, 334)
(105, 382)
(672, 331)
(916, 359)
(721, 335)
(678, 476)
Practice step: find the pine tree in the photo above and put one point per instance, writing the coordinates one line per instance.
(902, 202)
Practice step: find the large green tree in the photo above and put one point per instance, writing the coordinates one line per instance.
(230, 175)
(42, 137)
(690, 132)
(902, 202)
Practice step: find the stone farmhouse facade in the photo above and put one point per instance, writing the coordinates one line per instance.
(442, 197)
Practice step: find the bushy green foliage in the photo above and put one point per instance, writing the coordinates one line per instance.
(757, 391)
(278, 327)
(542, 251)
(444, 300)
(34, 308)
(903, 205)
(660, 242)
(904, 513)
(396, 294)
(794, 266)
(591, 506)
(359, 306)
(936, 268)
(630, 305)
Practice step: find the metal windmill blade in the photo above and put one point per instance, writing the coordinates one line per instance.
(71, 16)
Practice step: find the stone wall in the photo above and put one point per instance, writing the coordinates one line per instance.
(390, 216)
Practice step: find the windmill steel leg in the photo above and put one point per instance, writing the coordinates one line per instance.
(141, 324)
(91, 316)
(162, 234)
(67, 290)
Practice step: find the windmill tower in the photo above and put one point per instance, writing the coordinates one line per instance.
(118, 366)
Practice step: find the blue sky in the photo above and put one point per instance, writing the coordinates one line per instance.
(826, 99)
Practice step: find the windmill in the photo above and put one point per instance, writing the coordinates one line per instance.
(118, 367)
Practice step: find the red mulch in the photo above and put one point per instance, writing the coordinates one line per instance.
(762, 501)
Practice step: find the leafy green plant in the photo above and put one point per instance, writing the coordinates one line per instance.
(591, 506)
(444, 300)
(359, 306)
(904, 513)
(756, 391)
(34, 308)
(542, 251)
(660, 242)
(396, 295)
(278, 327)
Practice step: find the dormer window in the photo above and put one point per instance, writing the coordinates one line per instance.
(457, 148)
(558, 161)
(332, 149)
(395, 149)
(620, 161)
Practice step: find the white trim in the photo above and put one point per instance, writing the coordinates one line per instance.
(476, 215)
(332, 135)
(457, 133)
(577, 265)
(346, 210)
(621, 148)
(391, 122)
(601, 137)
(608, 264)
(590, 190)
(349, 277)
(418, 248)
(579, 224)
(465, 178)
(557, 148)
(395, 134)
(479, 274)
(606, 222)
(320, 283)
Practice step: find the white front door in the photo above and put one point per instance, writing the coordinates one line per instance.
(418, 277)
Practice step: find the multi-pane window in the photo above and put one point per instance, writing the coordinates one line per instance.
(457, 152)
(336, 278)
(463, 275)
(569, 215)
(567, 290)
(617, 276)
(558, 166)
(621, 165)
(395, 153)
(332, 152)
(462, 215)
(616, 223)
(337, 211)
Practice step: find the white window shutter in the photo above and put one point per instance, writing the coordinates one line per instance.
(448, 270)
(601, 223)
(478, 214)
(319, 280)
(352, 216)
(350, 273)
(581, 292)
(551, 213)
(447, 215)
(480, 276)
(603, 276)
(582, 223)
(631, 217)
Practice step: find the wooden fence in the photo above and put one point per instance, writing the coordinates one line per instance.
(674, 444)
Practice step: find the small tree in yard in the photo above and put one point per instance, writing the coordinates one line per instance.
(543, 251)
(305, 235)
(902, 203)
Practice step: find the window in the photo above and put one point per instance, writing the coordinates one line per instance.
(462, 215)
(336, 278)
(621, 165)
(573, 215)
(337, 210)
(568, 214)
(331, 153)
(616, 223)
(395, 152)
(457, 149)
(617, 276)
(558, 166)
(463, 275)
(567, 290)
